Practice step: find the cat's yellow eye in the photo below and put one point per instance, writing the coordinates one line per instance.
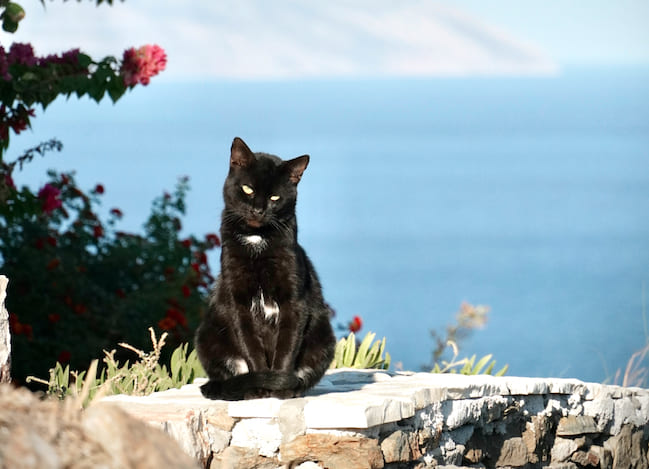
(247, 189)
(274, 198)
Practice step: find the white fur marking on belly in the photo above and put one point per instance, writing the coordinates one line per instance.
(237, 365)
(269, 308)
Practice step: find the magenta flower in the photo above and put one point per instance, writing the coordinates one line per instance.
(20, 53)
(49, 196)
(139, 65)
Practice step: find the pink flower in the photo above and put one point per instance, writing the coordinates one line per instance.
(49, 196)
(99, 189)
(116, 212)
(139, 65)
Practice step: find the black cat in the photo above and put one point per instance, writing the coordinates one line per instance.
(267, 331)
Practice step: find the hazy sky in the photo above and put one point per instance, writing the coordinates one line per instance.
(305, 37)
(574, 31)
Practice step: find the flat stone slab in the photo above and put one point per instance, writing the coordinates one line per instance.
(361, 399)
(369, 419)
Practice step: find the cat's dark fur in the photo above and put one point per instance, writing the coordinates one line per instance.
(267, 330)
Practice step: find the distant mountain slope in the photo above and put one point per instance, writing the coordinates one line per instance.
(260, 39)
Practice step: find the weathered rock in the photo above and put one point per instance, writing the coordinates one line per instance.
(628, 448)
(400, 446)
(262, 434)
(586, 459)
(538, 438)
(563, 448)
(129, 442)
(333, 451)
(576, 425)
(52, 434)
(235, 457)
(5, 336)
(513, 453)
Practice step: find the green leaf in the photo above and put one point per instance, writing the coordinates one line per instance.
(481, 364)
(502, 371)
(361, 355)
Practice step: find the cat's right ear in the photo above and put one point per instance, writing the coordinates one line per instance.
(240, 155)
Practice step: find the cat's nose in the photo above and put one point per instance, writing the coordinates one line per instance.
(257, 210)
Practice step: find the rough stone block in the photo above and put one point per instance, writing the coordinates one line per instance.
(400, 446)
(573, 425)
(513, 453)
(563, 448)
(291, 419)
(237, 458)
(332, 451)
(260, 433)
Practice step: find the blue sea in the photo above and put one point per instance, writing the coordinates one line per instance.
(529, 195)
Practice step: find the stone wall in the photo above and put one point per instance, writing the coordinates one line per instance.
(370, 419)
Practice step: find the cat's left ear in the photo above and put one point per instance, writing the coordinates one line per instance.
(296, 167)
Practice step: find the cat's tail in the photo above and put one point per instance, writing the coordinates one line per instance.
(256, 384)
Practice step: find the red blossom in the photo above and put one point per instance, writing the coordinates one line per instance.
(49, 196)
(120, 293)
(196, 267)
(116, 212)
(9, 182)
(186, 291)
(166, 324)
(97, 231)
(64, 356)
(355, 324)
(213, 240)
(201, 257)
(177, 316)
(54, 318)
(51, 240)
(139, 65)
(187, 243)
(99, 189)
(39, 244)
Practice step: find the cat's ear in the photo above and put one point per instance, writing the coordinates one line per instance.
(240, 155)
(296, 167)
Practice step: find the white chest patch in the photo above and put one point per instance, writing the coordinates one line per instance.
(255, 242)
(268, 307)
(253, 239)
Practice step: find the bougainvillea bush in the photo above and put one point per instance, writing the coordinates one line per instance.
(79, 285)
